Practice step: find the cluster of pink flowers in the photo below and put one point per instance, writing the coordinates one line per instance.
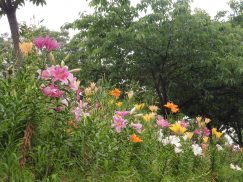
(59, 81)
(119, 122)
(163, 123)
(52, 91)
(46, 42)
(205, 132)
(58, 74)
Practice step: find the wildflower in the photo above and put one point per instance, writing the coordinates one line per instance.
(178, 129)
(139, 107)
(235, 167)
(47, 73)
(119, 123)
(198, 119)
(137, 126)
(189, 135)
(78, 111)
(197, 150)
(153, 108)
(48, 43)
(174, 140)
(205, 139)
(207, 120)
(183, 123)
(79, 95)
(148, 117)
(216, 133)
(133, 111)
(88, 91)
(25, 47)
(92, 85)
(206, 132)
(173, 107)
(121, 113)
(52, 91)
(119, 104)
(39, 42)
(197, 132)
(219, 147)
(116, 93)
(162, 122)
(201, 124)
(61, 74)
(135, 139)
(74, 84)
(130, 95)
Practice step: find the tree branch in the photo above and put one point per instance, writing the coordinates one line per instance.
(3, 5)
(9, 4)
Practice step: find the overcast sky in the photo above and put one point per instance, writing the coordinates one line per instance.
(58, 12)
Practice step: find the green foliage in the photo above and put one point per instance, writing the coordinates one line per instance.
(180, 55)
(169, 53)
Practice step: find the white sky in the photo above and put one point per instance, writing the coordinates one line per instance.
(58, 12)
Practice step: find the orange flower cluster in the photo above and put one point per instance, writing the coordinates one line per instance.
(173, 107)
(25, 47)
(116, 93)
(135, 139)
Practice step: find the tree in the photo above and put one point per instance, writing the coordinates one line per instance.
(153, 49)
(237, 8)
(9, 7)
(188, 58)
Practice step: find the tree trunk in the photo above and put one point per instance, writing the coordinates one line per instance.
(161, 95)
(13, 24)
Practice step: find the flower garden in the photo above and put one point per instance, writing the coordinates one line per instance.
(56, 129)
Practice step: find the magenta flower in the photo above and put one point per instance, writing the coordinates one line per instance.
(61, 73)
(39, 42)
(206, 132)
(162, 122)
(137, 126)
(46, 74)
(197, 132)
(48, 43)
(51, 44)
(122, 113)
(119, 123)
(52, 91)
